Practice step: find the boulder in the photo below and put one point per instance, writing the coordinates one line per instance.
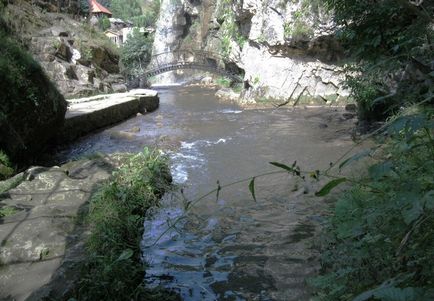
(105, 59)
(64, 51)
(119, 88)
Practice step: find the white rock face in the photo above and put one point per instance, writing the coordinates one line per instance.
(286, 77)
(287, 54)
(168, 34)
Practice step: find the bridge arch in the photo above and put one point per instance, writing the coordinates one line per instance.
(190, 59)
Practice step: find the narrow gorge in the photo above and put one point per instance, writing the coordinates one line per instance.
(216, 150)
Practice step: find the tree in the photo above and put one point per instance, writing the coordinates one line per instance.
(125, 9)
(136, 52)
(391, 44)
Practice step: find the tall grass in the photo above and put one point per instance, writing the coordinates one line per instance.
(113, 269)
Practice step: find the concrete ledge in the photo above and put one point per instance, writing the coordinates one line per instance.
(88, 114)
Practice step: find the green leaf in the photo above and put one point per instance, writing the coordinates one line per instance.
(252, 188)
(126, 254)
(329, 186)
(356, 157)
(283, 166)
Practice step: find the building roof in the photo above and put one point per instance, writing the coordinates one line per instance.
(95, 7)
(112, 32)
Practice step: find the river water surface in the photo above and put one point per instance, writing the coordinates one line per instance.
(231, 247)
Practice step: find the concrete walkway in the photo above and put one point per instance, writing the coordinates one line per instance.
(88, 114)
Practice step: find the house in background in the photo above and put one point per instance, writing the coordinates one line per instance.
(97, 10)
(115, 36)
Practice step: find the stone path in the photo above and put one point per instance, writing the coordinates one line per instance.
(43, 239)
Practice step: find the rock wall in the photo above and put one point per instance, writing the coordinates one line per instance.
(80, 60)
(31, 108)
(285, 49)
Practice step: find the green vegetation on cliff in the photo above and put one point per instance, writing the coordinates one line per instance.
(113, 269)
(31, 108)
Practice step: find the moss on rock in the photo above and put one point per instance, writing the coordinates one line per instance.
(31, 108)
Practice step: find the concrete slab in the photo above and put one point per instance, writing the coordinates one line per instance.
(88, 114)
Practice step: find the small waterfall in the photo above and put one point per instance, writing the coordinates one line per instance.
(170, 27)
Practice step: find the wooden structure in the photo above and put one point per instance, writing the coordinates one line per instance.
(98, 10)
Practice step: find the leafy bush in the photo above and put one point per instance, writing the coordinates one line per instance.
(125, 9)
(378, 242)
(104, 23)
(224, 82)
(391, 43)
(5, 166)
(113, 269)
(229, 29)
(150, 13)
(136, 52)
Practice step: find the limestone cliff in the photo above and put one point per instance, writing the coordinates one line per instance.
(79, 59)
(286, 49)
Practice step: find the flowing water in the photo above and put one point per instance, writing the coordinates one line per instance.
(231, 247)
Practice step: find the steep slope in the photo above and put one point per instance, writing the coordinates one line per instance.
(79, 59)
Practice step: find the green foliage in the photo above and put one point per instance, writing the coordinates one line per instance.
(224, 82)
(84, 7)
(7, 211)
(104, 23)
(125, 9)
(136, 52)
(113, 269)
(149, 16)
(4, 159)
(95, 38)
(229, 29)
(6, 169)
(378, 242)
(30, 105)
(299, 29)
(391, 43)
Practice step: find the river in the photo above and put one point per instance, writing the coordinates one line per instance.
(231, 247)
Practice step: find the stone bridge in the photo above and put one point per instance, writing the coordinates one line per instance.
(190, 59)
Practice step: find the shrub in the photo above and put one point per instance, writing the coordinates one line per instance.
(113, 269)
(391, 45)
(379, 240)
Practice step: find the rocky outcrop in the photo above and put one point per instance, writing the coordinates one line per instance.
(31, 108)
(285, 49)
(42, 243)
(80, 60)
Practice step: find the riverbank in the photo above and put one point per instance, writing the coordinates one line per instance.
(53, 227)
